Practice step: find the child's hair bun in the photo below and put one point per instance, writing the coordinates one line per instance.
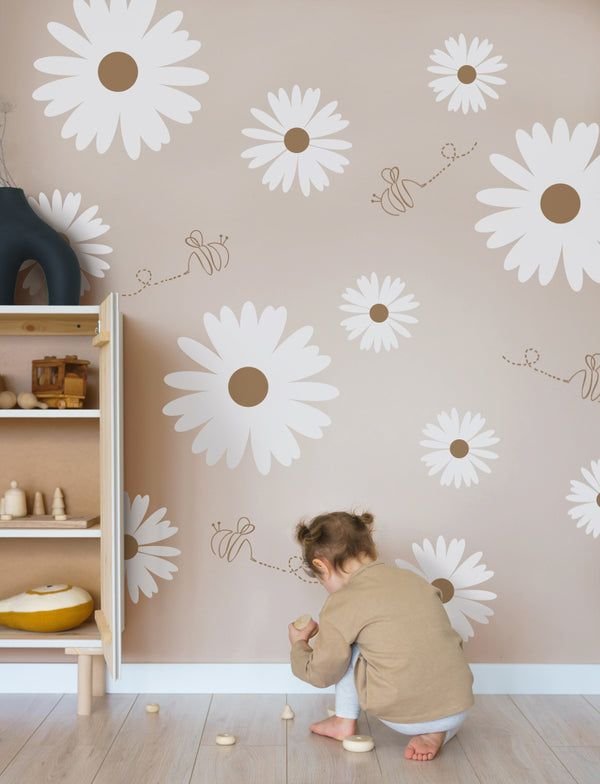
(366, 518)
(302, 531)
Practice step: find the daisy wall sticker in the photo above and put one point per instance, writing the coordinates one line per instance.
(459, 448)
(122, 71)
(380, 313)
(144, 558)
(251, 387)
(586, 496)
(553, 213)
(441, 566)
(296, 141)
(466, 73)
(78, 229)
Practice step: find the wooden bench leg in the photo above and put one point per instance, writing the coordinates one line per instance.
(84, 684)
(98, 679)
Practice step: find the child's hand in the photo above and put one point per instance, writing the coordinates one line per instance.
(303, 634)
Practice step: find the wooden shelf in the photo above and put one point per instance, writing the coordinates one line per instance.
(50, 413)
(93, 532)
(85, 636)
(49, 319)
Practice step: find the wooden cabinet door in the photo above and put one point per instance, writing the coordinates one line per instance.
(110, 616)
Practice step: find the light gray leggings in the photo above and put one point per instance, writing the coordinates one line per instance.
(347, 706)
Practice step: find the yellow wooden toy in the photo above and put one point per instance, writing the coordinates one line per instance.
(48, 608)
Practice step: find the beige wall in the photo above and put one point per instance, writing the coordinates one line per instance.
(303, 253)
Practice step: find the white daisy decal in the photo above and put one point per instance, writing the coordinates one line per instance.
(76, 228)
(296, 140)
(252, 386)
(459, 448)
(380, 313)
(553, 213)
(466, 73)
(143, 557)
(442, 568)
(587, 497)
(122, 72)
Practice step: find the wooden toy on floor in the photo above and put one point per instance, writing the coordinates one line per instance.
(358, 743)
(287, 713)
(47, 608)
(152, 707)
(225, 739)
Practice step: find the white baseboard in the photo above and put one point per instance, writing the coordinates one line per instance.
(278, 679)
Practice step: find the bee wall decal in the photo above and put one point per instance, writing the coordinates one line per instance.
(589, 374)
(397, 198)
(228, 543)
(211, 257)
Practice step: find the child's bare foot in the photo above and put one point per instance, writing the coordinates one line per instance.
(334, 727)
(424, 747)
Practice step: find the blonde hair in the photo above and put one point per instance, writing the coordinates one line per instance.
(337, 536)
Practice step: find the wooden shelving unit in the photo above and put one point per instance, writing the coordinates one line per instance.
(99, 435)
(50, 413)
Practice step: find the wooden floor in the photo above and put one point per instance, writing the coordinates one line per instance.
(518, 740)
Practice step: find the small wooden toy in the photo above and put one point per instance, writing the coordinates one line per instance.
(225, 739)
(7, 400)
(287, 713)
(48, 608)
(358, 743)
(152, 707)
(60, 382)
(58, 505)
(3, 515)
(39, 508)
(28, 400)
(302, 622)
(15, 501)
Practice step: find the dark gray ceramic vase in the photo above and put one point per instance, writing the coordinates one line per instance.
(24, 235)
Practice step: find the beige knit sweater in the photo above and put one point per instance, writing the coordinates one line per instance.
(411, 666)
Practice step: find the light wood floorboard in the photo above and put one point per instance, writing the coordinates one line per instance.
(20, 715)
(583, 763)
(68, 748)
(562, 720)
(504, 748)
(528, 740)
(156, 748)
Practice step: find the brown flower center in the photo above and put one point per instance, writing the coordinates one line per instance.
(466, 74)
(118, 71)
(248, 386)
(131, 546)
(598, 499)
(296, 140)
(560, 203)
(379, 313)
(64, 237)
(445, 587)
(459, 448)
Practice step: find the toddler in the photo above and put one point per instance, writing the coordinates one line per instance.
(383, 638)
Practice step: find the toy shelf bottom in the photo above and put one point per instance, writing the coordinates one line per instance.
(84, 642)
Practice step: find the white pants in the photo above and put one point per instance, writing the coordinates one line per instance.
(347, 706)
